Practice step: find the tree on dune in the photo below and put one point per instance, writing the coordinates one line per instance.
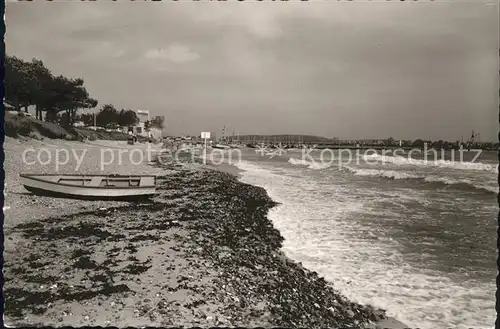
(87, 119)
(40, 81)
(127, 118)
(31, 83)
(67, 95)
(108, 116)
(17, 82)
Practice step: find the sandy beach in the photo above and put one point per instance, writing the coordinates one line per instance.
(201, 253)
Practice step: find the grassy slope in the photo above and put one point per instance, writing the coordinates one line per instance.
(16, 126)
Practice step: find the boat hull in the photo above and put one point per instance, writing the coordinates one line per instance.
(53, 189)
(221, 147)
(54, 194)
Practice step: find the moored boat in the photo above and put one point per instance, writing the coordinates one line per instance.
(91, 187)
(220, 146)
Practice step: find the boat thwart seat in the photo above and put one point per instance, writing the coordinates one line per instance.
(148, 181)
(54, 179)
(95, 181)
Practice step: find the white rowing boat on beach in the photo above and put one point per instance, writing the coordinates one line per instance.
(93, 187)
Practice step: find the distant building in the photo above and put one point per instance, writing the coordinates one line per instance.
(156, 133)
(158, 121)
(139, 128)
(155, 129)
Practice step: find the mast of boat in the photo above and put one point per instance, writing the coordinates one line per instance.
(473, 137)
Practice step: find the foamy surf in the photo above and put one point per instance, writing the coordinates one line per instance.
(392, 174)
(309, 164)
(299, 162)
(402, 161)
(401, 175)
(318, 219)
(464, 182)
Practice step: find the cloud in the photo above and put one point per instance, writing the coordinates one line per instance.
(260, 21)
(176, 53)
(334, 68)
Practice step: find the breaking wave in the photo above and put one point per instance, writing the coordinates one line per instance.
(393, 174)
(399, 160)
(309, 164)
(299, 162)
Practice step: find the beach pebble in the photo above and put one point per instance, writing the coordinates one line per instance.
(258, 283)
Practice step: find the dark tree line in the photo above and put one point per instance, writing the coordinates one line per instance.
(33, 84)
(107, 117)
(57, 98)
(110, 117)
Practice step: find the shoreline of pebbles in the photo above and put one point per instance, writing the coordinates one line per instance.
(202, 253)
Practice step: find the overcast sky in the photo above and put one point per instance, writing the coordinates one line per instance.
(346, 69)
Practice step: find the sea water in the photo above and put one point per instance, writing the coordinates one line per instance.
(414, 236)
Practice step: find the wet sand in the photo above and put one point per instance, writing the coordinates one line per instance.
(201, 253)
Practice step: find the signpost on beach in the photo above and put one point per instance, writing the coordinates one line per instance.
(205, 136)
